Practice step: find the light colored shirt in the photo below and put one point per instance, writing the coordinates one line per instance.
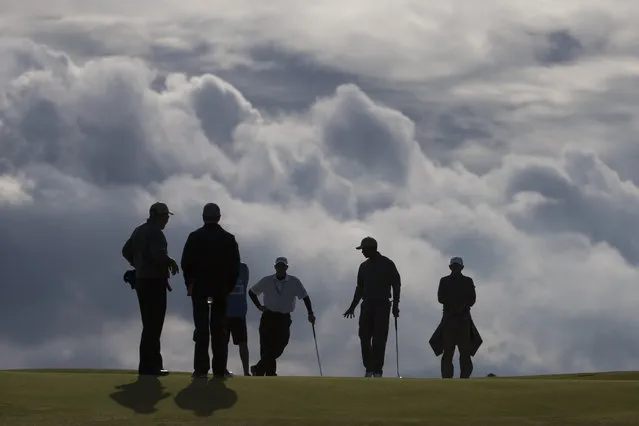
(280, 295)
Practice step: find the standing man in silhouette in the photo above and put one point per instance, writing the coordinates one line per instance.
(280, 291)
(146, 250)
(236, 318)
(376, 276)
(456, 293)
(210, 264)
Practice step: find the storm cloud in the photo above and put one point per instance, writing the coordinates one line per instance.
(505, 139)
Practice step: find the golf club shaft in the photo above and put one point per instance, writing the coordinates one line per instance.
(319, 363)
(397, 347)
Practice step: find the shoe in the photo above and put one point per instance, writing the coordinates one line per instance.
(368, 374)
(254, 371)
(199, 375)
(226, 375)
(377, 374)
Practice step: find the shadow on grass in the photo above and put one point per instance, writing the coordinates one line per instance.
(205, 397)
(142, 395)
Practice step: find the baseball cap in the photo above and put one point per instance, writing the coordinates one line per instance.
(281, 260)
(367, 242)
(457, 260)
(211, 210)
(159, 209)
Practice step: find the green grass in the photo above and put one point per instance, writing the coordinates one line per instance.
(98, 397)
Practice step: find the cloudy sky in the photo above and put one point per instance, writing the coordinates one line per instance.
(504, 132)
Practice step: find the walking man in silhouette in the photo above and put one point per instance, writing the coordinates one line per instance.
(456, 293)
(236, 318)
(146, 250)
(376, 276)
(210, 265)
(280, 291)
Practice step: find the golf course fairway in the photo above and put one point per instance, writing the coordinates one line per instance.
(98, 397)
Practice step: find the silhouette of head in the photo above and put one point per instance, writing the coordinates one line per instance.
(211, 213)
(159, 213)
(281, 265)
(456, 264)
(368, 246)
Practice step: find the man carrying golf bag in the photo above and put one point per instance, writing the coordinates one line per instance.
(376, 277)
(146, 251)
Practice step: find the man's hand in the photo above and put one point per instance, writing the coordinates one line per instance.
(189, 290)
(173, 266)
(311, 318)
(395, 311)
(350, 312)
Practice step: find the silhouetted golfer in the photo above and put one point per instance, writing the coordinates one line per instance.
(210, 264)
(146, 250)
(376, 276)
(456, 293)
(280, 291)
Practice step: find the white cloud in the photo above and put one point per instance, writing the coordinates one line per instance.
(545, 225)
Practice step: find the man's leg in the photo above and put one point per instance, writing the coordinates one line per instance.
(152, 300)
(380, 336)
(238, 330)
(144, 366)
(281, 336)
(244, 356)
(219, 338)
(365, 333)
(464, 344)
(448, 343)
(264, 331)
(201, 321)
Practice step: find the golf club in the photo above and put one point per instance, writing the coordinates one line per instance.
(397, 349)
(316, 350)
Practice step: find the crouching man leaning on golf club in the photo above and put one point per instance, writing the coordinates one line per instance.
(280, 291)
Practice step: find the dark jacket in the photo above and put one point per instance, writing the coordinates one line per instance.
(457, 294)
(211, 262)
(146, 251)
(376, 277)
(436, 340)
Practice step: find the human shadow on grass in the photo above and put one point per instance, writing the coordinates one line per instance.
(142, 395)
(205, 397)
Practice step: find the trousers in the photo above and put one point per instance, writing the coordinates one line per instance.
(456, 333)
(151, 295)
(210, 327)
(275, 333)
(374, 319)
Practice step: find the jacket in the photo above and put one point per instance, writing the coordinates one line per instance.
(210, 262)
(146, 251)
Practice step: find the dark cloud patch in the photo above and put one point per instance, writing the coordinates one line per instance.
(220, 108)
(581, 201)
(362, 143)
(560, 46)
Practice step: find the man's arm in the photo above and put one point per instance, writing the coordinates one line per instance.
(359, 289)
(396, 283)
(472, 294)
(188, 260)
(441, 296)
(253, 293)
(303, 294)
(127, 250)
(157, 248)
(234, 264)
